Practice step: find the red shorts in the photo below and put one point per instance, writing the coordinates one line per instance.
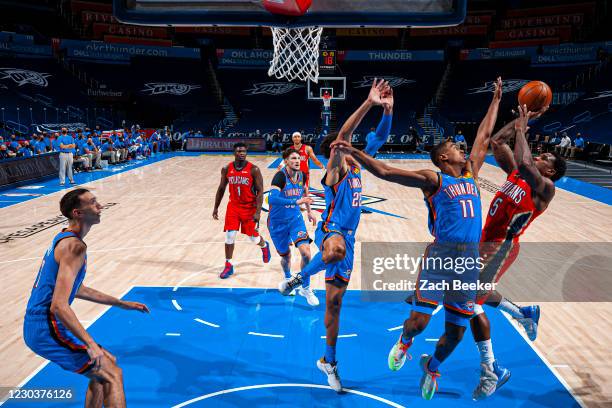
(498, 257)
(241, 218)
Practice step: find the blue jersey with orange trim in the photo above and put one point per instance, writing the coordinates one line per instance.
(292, 189)
(44, 286)
(343, 201)
(455, 209)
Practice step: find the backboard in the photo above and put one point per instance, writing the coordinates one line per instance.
(334, 86)
(323, 13)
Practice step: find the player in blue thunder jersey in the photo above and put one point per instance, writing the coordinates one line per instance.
(285, 221)
(455, 220)
(335, 234)
(51, 329)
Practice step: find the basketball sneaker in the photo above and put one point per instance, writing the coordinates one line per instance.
(308, 293)
(331, 371)
(429, 380)
(265, 253)
(488, 383)
(288, 285)
(228, 271)
(530, 320)
(503, 374)
(398, 354)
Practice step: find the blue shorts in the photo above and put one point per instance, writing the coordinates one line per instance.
(47, 337)
(339, 271)
(447, 281)
(284, 232)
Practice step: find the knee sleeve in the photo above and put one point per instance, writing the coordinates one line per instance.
(230, 237)
(255, 240)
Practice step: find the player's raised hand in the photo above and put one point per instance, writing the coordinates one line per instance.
(141, 307)
(387, 100)
(497, 92)
(523, 119)
(342, 146)
(376, 90)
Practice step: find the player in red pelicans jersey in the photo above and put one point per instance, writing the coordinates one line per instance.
(306, 153)
(527, 192)
(244, 206)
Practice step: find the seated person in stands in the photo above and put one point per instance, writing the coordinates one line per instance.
(90, 151)
(459, 140)
(5, 153)
(122, 147)
(80, 139)
(154, 139)
(165, 141)
(108, 151)
(47, 141)
(39, 146)
(25, 150)
(14, 145)
(577, 149)
(553, 141)
(55, 144)
(565, 144)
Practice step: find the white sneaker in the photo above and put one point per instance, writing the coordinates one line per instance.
(286, 286)
(487, 385)
(292, 293)
(331, 371)
(311, 298)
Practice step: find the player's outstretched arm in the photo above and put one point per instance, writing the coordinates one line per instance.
(384, 126)
(501, 151)
(427, 180)
(541, 186)
(483, 136)
(258, 180)
(93, 295)
(374, 99)
(220, 192)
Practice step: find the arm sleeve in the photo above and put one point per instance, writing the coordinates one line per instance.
(275, 198)
(382, 133)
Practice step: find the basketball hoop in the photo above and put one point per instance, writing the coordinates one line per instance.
(296, 53)
(296, 50)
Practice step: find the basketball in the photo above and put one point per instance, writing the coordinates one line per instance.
(287, 7)
(536, 95)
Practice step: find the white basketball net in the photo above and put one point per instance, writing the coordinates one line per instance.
(296, 53)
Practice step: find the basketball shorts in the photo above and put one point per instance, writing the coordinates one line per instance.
(447, 277)
(241, 219)
(285, 232)
(339, 272)
(498, 258)
(47, 337)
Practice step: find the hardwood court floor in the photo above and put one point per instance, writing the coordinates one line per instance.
(160, 232)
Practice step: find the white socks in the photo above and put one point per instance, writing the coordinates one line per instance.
(486, 352)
